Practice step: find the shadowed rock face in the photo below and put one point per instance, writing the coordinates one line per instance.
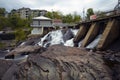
(60, 63)
(4, 66)
(23, 50)
(68, 35)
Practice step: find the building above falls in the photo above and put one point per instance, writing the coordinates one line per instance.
(40, 25)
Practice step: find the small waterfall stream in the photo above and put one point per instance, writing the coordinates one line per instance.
(94, 43)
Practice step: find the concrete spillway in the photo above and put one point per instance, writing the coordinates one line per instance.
(99, 35)
(94, 35)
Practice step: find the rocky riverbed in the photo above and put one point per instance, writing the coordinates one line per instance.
(50, 58)
(61, 63)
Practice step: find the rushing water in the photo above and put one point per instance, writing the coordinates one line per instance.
(94, 43)
(69, 43)
(58, 37)
(64, 38)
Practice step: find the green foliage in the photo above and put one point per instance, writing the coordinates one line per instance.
(49, 14)
(54, 15)
(89, 13)
(77, 18)
(2, 11)
(16, 21)
(100, 14)
(4, 22)
(20, 35)
(69, 18)
(57, 14)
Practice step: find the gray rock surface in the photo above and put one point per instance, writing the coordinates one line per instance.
(24, 50)
(4, 66)
(60, 63)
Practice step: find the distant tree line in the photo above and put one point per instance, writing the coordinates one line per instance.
(14, 21)
(68, 18)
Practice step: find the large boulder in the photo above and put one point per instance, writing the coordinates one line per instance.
(68, 35)
(24, 50)
(60, 63)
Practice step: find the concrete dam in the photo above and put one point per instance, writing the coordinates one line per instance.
(105, 32)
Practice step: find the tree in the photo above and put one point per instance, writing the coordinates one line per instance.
(2, 11)
(100, 14)
(4, 23)
(57, 15)
(17, 22)
(49, 14)
(20, 35)
(54, 15)
(68, 18)
(89, 13)
(77, 17)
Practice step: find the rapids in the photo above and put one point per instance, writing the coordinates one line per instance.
(62, 37)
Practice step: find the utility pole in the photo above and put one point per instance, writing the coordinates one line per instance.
(83, 14)
(52, 14)
(117, 7)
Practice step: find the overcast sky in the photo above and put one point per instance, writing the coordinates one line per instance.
(65, 6)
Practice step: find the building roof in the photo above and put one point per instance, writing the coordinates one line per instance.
(42, 18)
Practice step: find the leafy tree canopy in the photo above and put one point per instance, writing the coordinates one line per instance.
(89, 13)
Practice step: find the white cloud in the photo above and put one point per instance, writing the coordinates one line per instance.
(66, 6)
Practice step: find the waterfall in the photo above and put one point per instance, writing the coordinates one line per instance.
(52, 38)
(64, 38)
(94, 43)
(79, 44)
(58, 37)
(69, 43)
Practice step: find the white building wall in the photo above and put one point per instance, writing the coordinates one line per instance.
(41, 23)
(45, 23)
(37, 31)
(35, 23)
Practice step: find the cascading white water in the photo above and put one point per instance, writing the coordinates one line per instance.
(52, 38)
(23, 43)
(56, 37)
(74, 31)
(66, 39)
(69, 43)
(79, 44)
(94, 43)
(41, 43)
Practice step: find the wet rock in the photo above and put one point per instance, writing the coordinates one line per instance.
(112, 60)
(10, 72)
(115, 45)
(116, 72)
(68, 35)
(61, 63)
(24, 50)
